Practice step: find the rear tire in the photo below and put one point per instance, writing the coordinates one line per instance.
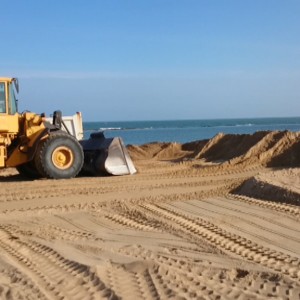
(59, 156)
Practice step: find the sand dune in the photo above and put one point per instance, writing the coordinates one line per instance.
(270, 148)
(213, 219)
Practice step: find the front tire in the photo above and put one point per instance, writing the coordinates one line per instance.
(59, 156)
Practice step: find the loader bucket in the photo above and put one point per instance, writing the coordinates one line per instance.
(106, 156)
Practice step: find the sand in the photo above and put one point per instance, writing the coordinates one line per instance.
(213, 219)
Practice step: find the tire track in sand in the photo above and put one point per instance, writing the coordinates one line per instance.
(192, 278)
(274, 260)
(174, 276)
(278, 206)
(56, 276)
(21, 286)
(257, 224)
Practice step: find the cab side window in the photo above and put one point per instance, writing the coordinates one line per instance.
(2, 98)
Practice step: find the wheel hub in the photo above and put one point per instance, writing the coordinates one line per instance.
(62, 158)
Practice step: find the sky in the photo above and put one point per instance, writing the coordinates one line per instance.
(154, 59)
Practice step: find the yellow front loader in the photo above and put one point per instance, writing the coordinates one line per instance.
(39, 148)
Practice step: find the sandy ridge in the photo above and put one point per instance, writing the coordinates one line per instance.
(271, 148)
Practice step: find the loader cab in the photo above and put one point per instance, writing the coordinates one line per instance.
(8, 100)
(9, 118)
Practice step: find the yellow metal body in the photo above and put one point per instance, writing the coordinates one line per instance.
(20, 136)
(19, 133)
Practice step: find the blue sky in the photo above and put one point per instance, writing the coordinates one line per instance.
(154, 59)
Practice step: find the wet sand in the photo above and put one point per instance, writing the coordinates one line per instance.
(215, 219)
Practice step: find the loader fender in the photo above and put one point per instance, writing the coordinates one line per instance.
(18, 156)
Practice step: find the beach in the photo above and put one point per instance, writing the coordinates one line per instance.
(211, 219)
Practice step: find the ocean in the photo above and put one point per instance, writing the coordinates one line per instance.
(183, 131)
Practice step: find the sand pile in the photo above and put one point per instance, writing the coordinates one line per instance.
(280, 186)
(193, 223)
(269, 148)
